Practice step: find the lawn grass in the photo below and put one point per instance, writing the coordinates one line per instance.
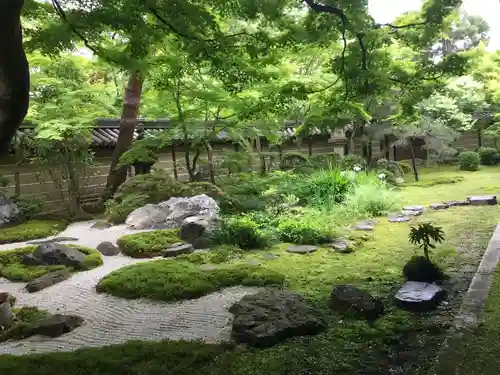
(148, 244)
(30, 230)
(12, 269)
(399, 340)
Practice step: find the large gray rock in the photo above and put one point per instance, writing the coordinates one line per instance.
(54, 326)
(147, 217)
(178, 249)
(349, 298)
(269, 317)
(54, 254)
(47, 280)
(9, 211)
(419, 296)
(174, 213)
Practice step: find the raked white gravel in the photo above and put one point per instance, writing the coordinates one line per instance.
(111, 320)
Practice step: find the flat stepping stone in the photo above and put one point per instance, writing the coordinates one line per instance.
(482, 200)
(302, 249)
(457, 203)
(411, 213)
(178, 249)
(440, 206)
(419, 296)
(47, 280)
(52, 240)
(270, 256)
(342, 246)
(413, 208)
(363, 227)
(398, 219)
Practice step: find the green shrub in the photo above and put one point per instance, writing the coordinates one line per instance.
(291, 160)
(419, 268)
(12, 269)
(171, 280)
(139, 190)
(322, 188)
(29, 207)
(304, 232)
(370, 198)
(30, 230)
(241, 231)
(488, 155)
(350, 161)
(469, 161)
(329, 160)
(196, 188)
(148, 244)
(118, 210)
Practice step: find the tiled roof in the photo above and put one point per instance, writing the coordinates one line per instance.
(105, 134)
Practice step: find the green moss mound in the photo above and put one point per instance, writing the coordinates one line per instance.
(30, 230)
(171, 280)
(148, 244)
(12, 269)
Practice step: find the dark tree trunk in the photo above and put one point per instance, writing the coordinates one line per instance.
(174, 162)
(14, 73)
(413, 160)
(131, 103)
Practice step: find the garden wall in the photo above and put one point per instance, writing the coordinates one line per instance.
(35, 184)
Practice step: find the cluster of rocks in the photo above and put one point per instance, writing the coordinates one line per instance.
(53, 254)
(194, 216)
(266, 318)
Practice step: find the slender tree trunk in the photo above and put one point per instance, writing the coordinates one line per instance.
(413, 160)
(210, 157)
(131, 103)
(14, 73)
(174, 162)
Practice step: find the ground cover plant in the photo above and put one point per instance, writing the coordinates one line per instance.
(171, 280)
(398, 339)
(148, 244)
(12, 269)
(30, 230)
(24, 317)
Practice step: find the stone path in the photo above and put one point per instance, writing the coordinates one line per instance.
(111, 320)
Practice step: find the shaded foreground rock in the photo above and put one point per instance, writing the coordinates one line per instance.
(348, 297)
(269, 317)
(482, 200)
(178, 249)
(302, 249)
(47, 280)
(419, 296)
(54, 326)
(52, 254)
(107, 248)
